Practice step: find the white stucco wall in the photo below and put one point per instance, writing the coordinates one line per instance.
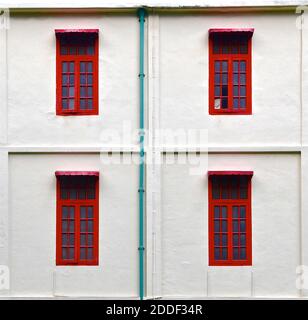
(32, 116)
(176, 200)
(275, 78)
(275, 229)
(33, 229)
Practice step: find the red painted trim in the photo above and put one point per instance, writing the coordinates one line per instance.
(249, 31)
(77, 204)
(229, 58)
(76, 59)
(225, 173)
(229, 203)
(60, 32)
(77, 173)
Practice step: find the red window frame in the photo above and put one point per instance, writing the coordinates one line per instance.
(229, 204)
(77, 204)
(77, 59)
(233, 106)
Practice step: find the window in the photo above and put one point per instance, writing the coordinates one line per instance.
(230, 71)
(77, 72)
(230, 218)
(77, 218)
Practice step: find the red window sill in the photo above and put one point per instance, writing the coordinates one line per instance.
(77, 113)
(231, 113)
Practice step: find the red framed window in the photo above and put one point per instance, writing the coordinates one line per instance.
(77, 218)
(230, 71)
(230, 218)
(77, 72)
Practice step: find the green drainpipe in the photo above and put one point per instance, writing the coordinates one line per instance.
(141, 14)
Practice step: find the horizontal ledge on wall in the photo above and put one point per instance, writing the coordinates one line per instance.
(162, 149)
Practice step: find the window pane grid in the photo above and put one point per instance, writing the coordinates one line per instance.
(86, 232)
(232, 96)
(86, 85)
(68, 233)
(68, 85)
(229, 225)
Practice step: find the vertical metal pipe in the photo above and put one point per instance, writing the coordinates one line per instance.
(141, 14)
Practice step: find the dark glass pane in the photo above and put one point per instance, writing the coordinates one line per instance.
(72, 239)
(83, 79)
(83, 253)
(90, 104)
(90, 50)
(65, 79)
(243, 212)
(224, 253)
(243, 254)
(235, 253)
(72, 79)
(91, 194)
(243, 48)
(243, 66)
(216, 225)
(224, 188)
(224, 78)
(90, 226)
(224, 226)
(217, 91)
(243, 103)
(235, 103)
(243, 78)
(90, 212)
(83, 212)
(64, 67)
(90, 79)
(225, 91)
(64, 226)
(243, 91)
(82, 104)
(235, 90)
(235, 66)
(225, 66)
(82, 194)
(235, 78)
(71, 91)
(90, 67)
(64, 104)
(64, 253)
(82, 67)
(81, 50)
(73, 194)
(224, 212)
(83, 226)
(72, 212)
(83, 239)
(72, 226)
(64, 212)
(83, 92)
(90, 253)
(235, 240)
(217, 66)
(72, 66)
(64, 91)
(224, 103)
(235, 225)
(217, 254)
(243, 240)
(243, 193)
(90, 239)
(71, 104)
(216, 212)
(90, 92)
(224, 239)
(64, 239)
(235, 212)
(71, 253)
(243, 226)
